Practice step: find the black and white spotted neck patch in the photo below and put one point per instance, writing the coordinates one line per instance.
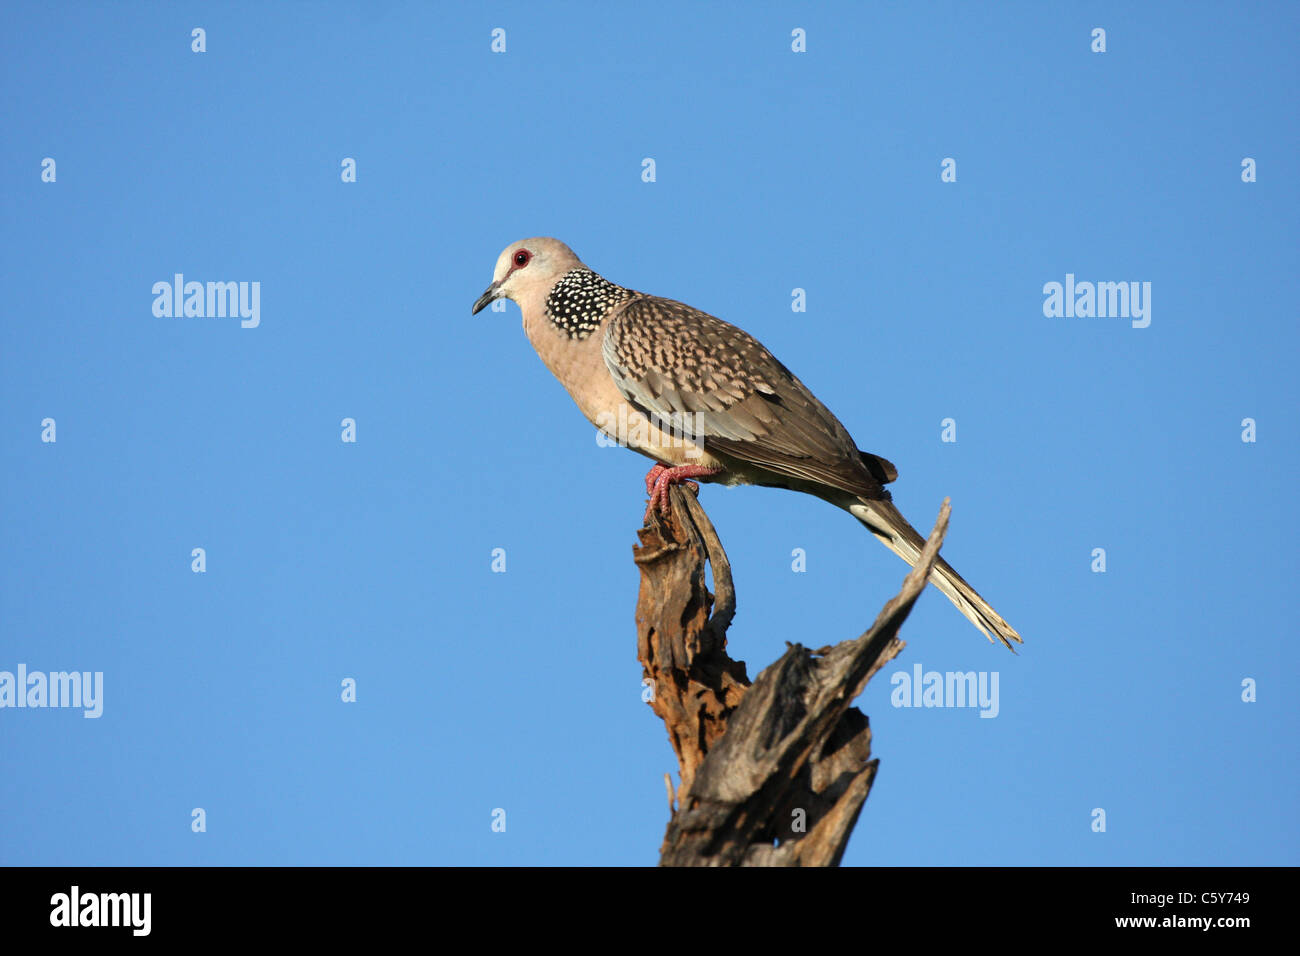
(580, 301)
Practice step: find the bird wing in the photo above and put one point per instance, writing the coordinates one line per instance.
(668, 359)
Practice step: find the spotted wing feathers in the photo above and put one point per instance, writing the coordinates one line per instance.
(668, 358)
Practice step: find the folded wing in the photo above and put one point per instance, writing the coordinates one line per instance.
(668, 358)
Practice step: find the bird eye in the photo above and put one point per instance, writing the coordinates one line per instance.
(522, 257)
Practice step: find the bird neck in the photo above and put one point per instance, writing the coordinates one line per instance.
(581, 300)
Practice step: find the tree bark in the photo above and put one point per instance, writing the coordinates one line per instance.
(773, 773)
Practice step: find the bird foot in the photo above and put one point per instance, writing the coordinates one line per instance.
(652, 476)
(660, 478)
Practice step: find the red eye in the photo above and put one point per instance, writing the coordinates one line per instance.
(522, 257)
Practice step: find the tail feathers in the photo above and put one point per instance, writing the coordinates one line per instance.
(884, 521)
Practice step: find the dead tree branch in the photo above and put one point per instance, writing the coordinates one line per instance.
(774, 773)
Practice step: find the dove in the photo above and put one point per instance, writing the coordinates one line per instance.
(711, 402)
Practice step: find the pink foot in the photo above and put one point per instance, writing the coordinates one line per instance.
(652, 476)
(661, 478)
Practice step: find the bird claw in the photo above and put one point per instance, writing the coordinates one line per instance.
(660, 478)
(652, 476)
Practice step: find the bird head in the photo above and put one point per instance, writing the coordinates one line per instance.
(527, 267)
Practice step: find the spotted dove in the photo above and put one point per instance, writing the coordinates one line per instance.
(705, 400)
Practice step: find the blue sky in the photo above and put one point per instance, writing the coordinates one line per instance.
(775, 170)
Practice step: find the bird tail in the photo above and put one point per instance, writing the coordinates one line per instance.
(884, 521)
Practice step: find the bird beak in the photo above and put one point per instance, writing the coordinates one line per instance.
(487, 297)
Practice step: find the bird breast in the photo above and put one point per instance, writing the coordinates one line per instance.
(579, 365)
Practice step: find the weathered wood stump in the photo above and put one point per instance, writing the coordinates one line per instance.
(773, 773)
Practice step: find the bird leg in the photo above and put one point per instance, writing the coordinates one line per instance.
(661, 478)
